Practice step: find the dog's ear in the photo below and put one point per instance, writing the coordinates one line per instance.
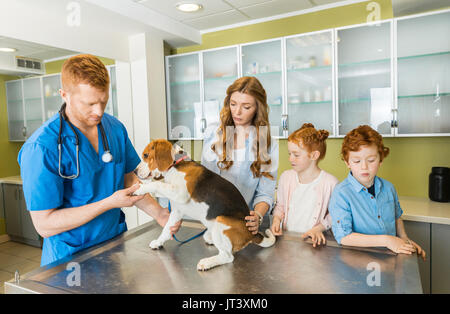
(163, 155)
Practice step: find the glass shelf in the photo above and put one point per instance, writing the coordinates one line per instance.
(310, 103)
(354, 100)
(14, 101)
(182, 110)
(424, 95)
(316, 68)
(181, 83)
(425, 55)
(354, 64)
(212, 79)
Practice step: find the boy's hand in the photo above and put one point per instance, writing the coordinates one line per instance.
(419, 250)
(316, 236)
(398, 245)
(276, 228)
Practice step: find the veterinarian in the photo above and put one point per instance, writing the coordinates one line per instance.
(77, 168)
(248, 158)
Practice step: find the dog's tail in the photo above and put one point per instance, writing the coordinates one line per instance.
(263, 241)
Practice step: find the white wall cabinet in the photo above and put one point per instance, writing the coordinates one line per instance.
(393, 75)
(32, 101)
(364, 77)
(423, 75)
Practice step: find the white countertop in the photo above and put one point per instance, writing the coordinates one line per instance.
(414, 208)
(423, 210)
(11, 180)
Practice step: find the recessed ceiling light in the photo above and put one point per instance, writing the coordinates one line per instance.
(189, 7)
(6, 49)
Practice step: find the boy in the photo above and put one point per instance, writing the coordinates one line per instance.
(364, 208)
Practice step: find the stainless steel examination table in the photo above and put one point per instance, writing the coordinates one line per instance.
(126, 264)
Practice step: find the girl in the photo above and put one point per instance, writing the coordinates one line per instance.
(304, 191)
(241, 150)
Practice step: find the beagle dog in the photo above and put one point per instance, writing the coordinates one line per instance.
(197, 192)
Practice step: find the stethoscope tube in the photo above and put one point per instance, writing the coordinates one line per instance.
(106, 157)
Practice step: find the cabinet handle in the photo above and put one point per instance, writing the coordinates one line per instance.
(203, 128)
(24, 131)
(284, 122)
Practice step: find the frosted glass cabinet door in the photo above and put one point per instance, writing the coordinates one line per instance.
(111, 106)
(220, 70)
(33, 104)
(309, 81)
(423, 67)
(52, 101)
(263, 60)
(365, 94)
(16, 118)
(184, 96)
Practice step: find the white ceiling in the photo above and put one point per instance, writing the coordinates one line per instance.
(225, 13)
(220, 13)
(216, 14)
(32, 50)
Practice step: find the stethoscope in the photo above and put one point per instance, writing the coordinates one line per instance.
(106, 157)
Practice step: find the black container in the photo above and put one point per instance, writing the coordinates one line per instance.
(439, 184)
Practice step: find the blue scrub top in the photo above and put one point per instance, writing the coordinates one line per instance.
(45, 189)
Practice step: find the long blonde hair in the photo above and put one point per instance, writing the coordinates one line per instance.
(247, 85)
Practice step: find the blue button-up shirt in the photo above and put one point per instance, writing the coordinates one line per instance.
(354, 209)
(254, 190)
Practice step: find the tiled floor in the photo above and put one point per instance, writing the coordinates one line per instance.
(16, 256)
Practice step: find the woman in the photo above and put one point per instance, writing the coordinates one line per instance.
(241, 150)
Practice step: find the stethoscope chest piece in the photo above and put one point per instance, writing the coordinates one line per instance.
(107, 157)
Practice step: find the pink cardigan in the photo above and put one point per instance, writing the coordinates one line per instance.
(286, 186)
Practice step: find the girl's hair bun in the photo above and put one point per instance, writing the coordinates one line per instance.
(307, 125)
(323, 134)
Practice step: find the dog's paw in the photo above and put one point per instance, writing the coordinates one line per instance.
(204, 264)
(141, 190)
(155, 244)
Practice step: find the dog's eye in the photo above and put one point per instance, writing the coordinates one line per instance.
(145, 156)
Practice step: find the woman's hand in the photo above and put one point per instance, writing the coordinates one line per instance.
(252, 222)
(276, 228)
(398, 245)
(316, 235)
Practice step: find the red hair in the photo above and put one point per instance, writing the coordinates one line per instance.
(363, 135)
(252, 86)
(84, 68)
(311, 139)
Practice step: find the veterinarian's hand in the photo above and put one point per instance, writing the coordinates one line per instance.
(125, 197)
(252, 222)
(398, 245)
(276, 228)
(316, 236)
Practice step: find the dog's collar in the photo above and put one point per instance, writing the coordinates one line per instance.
(180, 160)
